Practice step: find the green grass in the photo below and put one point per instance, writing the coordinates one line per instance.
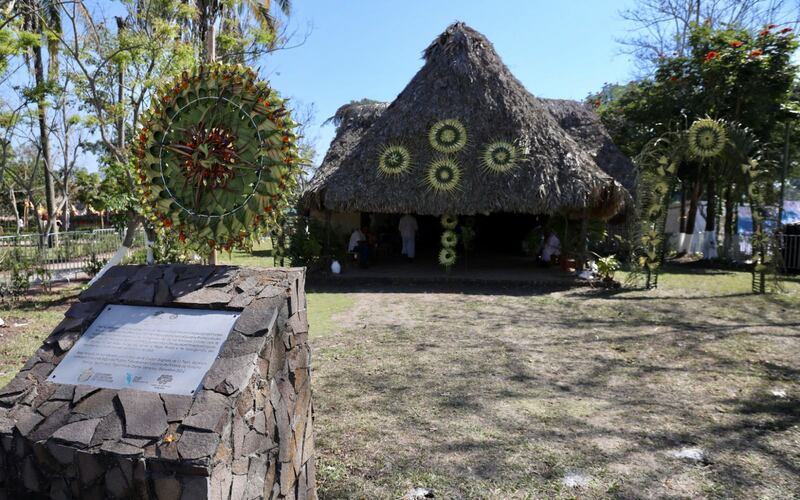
(261, 256)
(322, 310)
(35, 316)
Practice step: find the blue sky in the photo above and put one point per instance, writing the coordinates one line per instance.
(372, 48)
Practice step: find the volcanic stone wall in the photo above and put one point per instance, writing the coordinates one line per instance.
(246, 434)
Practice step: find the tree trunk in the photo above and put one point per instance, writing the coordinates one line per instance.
(44, 142)
(730, 230)
(13, 199)
(682, 217)
(710, 237)
(691, 217)
(124, 248)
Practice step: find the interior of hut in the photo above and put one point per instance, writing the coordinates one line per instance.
(500, 240)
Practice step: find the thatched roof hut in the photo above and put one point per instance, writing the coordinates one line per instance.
(463, 78)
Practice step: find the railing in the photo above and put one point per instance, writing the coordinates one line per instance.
(790, 251)
(61, 256)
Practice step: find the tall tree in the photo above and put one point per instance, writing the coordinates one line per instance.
(43, 19)
(663, 27)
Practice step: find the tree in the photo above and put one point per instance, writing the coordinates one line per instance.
(663, 27)
(42, 19)
(734, 74)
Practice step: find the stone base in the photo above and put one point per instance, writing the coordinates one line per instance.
(246, 434)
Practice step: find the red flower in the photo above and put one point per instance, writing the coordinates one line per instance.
(756, 53)
(212, 243)
(771, 26)
(736, 44)
(764, 33)
(786, 30)
(674, 78)
(167, 222)
(711, 55)
(182, 237)
(597, 103)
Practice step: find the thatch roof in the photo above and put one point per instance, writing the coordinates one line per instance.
(462, 78)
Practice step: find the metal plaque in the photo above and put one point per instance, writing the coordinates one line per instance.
(156, 349)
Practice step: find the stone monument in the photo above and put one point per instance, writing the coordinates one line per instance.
(167, 382)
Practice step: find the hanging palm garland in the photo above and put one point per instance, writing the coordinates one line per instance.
(447, 136)
(444, 175)
(215, 157)
(449, 221)
(394, 160)
(447, 257)
(500, 157)
(449, 238)
(707, 138)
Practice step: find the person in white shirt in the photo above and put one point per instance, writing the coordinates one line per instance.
(355, 238)
(552, 246)
(408, 232)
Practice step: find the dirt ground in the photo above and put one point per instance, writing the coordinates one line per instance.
(579, 394)
(501, 393)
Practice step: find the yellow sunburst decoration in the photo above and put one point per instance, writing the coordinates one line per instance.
(449, 221)
(707, 138)
(444, 175)
(447, 257)
(500, 156)
(394, 160)
(448, 136)
(449, 238)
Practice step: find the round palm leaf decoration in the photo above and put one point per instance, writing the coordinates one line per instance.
(444, 175)
(449, 238)
(216, 157)
(707, 138)
(447, 257)
(500, 157)
(447, 136)
(449, 221)
(394, 160)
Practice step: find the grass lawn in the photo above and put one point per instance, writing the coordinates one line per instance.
(584, 393)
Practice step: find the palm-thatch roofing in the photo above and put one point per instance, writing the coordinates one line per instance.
(464, 78)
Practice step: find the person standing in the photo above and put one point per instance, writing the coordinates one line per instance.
(408, 232)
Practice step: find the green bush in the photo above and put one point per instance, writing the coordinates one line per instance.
(305, 241)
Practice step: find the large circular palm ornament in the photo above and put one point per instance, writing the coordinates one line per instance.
(444, 175)
(216, 156)
(447, 136)
(499, 156)
(394, 160)
(707, 138)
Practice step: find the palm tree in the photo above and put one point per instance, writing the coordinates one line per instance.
(232, 16)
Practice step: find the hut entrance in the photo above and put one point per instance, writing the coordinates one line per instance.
(505, 234)
(496, 235)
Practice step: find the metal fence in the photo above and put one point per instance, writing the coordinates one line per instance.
(790, 251)
(60, 256)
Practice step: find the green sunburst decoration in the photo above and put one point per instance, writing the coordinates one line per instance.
(216, 157)
(449, 221)
(707, 138)
(449, 238)
(447, 257)
(448, 136)
(394, 160)
(444, 175)
(500, 156)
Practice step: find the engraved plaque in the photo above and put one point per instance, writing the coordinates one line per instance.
(156, 349)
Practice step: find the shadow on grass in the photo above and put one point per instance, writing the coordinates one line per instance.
(482, 404)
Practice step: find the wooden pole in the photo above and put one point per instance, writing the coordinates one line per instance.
(211, 56)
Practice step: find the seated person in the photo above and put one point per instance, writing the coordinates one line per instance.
(359, 246)
(551, 248)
